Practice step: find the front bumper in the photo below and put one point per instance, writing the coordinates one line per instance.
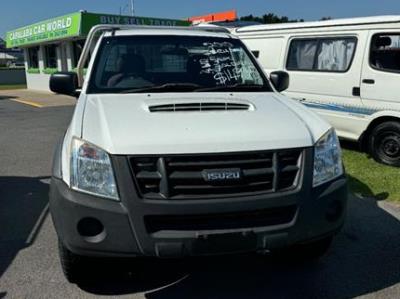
(125, 231)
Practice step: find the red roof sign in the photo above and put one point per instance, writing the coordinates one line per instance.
(230, 15)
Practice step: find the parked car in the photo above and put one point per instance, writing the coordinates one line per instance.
(347, 70)
(17, 64)
(181, 146)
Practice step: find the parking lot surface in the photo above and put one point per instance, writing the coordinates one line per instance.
(363, 262)
(38, 99)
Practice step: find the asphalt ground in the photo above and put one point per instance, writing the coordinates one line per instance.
(38, 99)
(364, 260)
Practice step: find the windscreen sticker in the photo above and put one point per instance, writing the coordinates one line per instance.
(220, 63)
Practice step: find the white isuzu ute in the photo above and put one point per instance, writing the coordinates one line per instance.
(181, 146)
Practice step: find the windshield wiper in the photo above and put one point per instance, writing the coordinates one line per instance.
(164, 87)
(235, 87)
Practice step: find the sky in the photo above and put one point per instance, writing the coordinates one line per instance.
(17, 13)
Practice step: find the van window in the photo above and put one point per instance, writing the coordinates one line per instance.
(50, 56)
(302, 55)
(33, 57)
(321, 54)
(385, 52)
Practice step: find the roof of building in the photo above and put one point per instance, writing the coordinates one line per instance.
(327, 23)
(6, 56)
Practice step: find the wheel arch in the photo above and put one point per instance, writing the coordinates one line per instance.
(376, 120)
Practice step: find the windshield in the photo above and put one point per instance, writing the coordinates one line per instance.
(174, 63)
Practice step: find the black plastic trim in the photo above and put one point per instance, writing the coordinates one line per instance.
(356, 91)
(306, 156)
(57, 159)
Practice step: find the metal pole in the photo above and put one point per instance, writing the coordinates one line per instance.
(133, 7)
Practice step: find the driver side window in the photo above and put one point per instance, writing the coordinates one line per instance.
(385, 52)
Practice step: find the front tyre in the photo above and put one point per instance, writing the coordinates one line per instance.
(384, 143)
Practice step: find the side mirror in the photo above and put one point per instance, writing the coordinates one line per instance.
(64, 83)
(280, 80)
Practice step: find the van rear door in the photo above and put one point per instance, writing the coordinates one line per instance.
(380, 80)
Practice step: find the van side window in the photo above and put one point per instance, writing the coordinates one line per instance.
(385, 52)
(302, 54)
(321, 54)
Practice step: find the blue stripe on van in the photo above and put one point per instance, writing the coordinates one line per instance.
(341, 108)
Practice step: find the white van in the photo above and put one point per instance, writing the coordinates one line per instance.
(346, 70)
(181, 146)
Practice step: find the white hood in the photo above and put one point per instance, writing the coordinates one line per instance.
(122, 124)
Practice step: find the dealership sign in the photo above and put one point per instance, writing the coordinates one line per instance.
(57, 28)
(76, 24)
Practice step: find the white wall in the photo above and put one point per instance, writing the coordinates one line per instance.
(38, 81)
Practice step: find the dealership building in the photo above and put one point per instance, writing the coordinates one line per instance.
(56, 44)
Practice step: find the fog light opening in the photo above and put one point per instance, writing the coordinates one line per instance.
(334, 211)
(92, 230)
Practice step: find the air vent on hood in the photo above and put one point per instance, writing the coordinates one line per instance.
(217, 106)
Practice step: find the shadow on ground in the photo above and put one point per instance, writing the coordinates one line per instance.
(23, 207)
(363, 259)
(363, 189)
(4, 97)
(350, 145)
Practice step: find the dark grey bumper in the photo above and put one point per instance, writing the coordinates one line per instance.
(319, 212)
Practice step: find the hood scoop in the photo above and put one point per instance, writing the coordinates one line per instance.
(206, 106)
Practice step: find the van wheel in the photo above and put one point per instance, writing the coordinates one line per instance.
(71, 264)
(384, 143)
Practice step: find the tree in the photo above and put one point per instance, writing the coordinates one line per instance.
(269, 18)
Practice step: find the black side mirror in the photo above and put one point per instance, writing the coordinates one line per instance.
(280, 80)
(64, 83)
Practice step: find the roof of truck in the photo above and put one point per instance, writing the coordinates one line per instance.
(328, 23)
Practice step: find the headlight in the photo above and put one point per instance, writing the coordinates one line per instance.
(327, 159)
(91, 170)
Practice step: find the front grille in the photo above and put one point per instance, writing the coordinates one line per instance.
(185, 176)
(181, 107)
(238, 220)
